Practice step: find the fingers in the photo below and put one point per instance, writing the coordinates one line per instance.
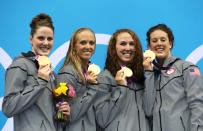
(91, 77)
(149, 59)
(91, 73)
(64, 108)
(120, 74)
(44, 71)
(45, 68)
(120, 78)
(147, 63)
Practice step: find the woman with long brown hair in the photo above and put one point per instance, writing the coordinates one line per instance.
(122, 111)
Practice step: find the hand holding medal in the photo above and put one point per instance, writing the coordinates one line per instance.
(92, 73)
(122, 75)
(44, 70)
(94, 68)
(149, 57)
(43, 60)
(149, 53)
(127, 71)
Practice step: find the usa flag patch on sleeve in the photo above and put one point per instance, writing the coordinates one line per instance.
(195, 71)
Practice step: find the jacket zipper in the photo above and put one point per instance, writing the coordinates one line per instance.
(137, 111)
(118, 125)
(83, 125)
(182, 123)
(160, 102)
(198, 127)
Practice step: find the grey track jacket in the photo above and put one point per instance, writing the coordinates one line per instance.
(28, 98)
(123, 110)
(82, 117)
(175, 99)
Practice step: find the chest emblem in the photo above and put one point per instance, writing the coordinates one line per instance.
(170, 71)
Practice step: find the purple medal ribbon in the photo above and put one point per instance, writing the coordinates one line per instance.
(85, 73)
(130, 79)
(161, 67)
(36, 57)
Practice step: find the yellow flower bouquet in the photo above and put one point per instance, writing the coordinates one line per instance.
(63, 92)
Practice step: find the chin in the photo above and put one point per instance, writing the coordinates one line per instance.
(161, 57)
(127, 60)
(44, 54)
(86, 57)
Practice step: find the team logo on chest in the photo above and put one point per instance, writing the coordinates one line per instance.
(170, 71)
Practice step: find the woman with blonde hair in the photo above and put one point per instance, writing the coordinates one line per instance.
(75, 72)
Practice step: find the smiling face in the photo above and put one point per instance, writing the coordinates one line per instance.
(42, 41)
(160, 44)
(125, 48)
(85, 45)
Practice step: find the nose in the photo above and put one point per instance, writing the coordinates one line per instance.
(159, 42)
(46, 42)
(88, 45)
(128, 46)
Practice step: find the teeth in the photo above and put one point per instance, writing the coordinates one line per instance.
(160, 49)
(87, 52)
(44, 49)
(126, 54)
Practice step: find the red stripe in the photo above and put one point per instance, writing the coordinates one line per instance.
(195, 72)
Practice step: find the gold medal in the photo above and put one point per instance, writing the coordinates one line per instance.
(127, 71)
(149, 53)
(94, 68)
(43, 60)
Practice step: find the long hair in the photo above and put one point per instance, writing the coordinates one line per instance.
(135, 64)
(72, 57)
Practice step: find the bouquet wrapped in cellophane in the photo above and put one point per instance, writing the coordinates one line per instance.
(63, 92)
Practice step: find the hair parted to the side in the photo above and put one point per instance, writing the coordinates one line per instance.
(72, 57)
(41, 20)
(135, 65)
(164, 28)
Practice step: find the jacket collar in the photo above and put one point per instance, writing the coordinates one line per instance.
(167, 63)
(31, 56)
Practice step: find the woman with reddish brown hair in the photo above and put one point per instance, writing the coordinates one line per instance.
(114, 59)
(122, 110)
